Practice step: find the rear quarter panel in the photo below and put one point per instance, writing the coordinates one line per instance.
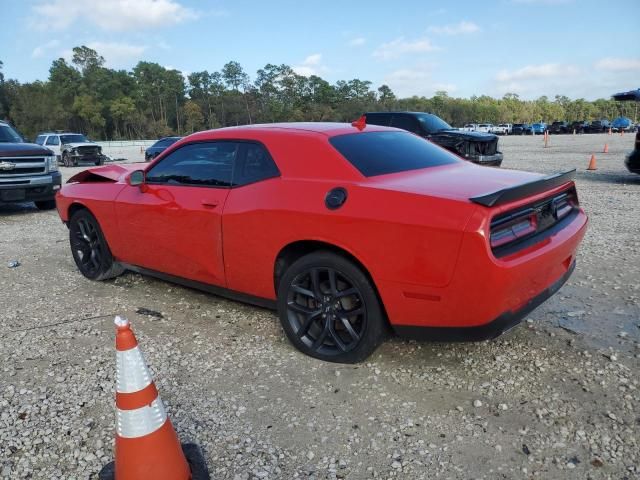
(397, 236)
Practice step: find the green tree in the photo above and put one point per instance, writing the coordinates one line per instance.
(193, 116)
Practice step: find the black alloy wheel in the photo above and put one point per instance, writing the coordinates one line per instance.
(89, 248)
(329, 309)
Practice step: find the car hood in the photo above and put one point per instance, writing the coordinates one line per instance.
(22, 150)
(113, 173)
(477, 136)
(459, 181)
(81, 144)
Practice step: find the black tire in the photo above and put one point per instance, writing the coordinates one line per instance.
(45, 204)
(66, 160)
(99, 162)
(314, 295)
(90, 249)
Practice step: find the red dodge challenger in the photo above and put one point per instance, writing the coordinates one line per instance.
(349, 230)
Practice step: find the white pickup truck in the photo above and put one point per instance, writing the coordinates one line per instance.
(469, 127)
(485, 128)
(502, 129)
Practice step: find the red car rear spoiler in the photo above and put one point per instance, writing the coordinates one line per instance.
(510, 194)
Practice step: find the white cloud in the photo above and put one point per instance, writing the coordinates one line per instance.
(618, 64)
(357, 42)
(461, 28)
(40, 50)
(400, 46)
(312, 65)
(417, 80)
(536, 72)
(116, 55)
(533, 81)
(113, 15)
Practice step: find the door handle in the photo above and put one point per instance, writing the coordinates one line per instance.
(209, 203)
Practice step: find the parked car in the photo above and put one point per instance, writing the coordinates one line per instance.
(502, 129)
(477, 147)
(28, 172)
(559, 127)
(538, 128)
(521, 129)
(376, 228)
(160, 146)
(632, 161)
(485, 127)
(469, 127)
(622, 124)
(72, 148)
(580, 126)
(599, 126)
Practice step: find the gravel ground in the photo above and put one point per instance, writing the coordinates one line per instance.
(555, 398)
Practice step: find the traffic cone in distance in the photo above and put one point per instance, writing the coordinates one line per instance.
(610, 132)
(147, 446)
(546, 139)
(592, 163)
(606, 148)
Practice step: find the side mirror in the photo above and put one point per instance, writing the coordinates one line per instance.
(136, 178)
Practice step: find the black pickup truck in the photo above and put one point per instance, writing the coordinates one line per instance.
(28, 172)
(477, 147)
(559, 127)
(580, 126)
(599, 126)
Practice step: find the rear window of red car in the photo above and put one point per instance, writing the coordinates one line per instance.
(380, 153)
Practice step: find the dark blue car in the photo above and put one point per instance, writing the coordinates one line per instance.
(160, 146)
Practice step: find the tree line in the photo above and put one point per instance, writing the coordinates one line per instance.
(151, 101)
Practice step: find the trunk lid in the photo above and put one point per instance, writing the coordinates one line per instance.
(460, 181)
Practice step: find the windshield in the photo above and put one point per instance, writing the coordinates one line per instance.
(74, 138)
(165, 142)
(9, 135)
(379, 153)
(431, 123)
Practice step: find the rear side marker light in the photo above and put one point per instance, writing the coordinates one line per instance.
(513, 230)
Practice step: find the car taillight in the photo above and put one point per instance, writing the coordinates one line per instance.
(514, 229)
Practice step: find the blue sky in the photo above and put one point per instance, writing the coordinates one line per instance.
(587, 49)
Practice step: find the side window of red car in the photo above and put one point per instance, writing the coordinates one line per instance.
(255, 164)
(207, 164)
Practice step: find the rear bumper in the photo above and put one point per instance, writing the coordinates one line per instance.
(485, 289)
(493, 329)
(31, 189)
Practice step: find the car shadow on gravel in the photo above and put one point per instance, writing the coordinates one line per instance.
(17, 209)
(613, 178)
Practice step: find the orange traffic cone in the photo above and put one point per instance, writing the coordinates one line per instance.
(141, 150)
(147, 446)
(546, 139)
(592, 163)
(606, 148)
(610, 132)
